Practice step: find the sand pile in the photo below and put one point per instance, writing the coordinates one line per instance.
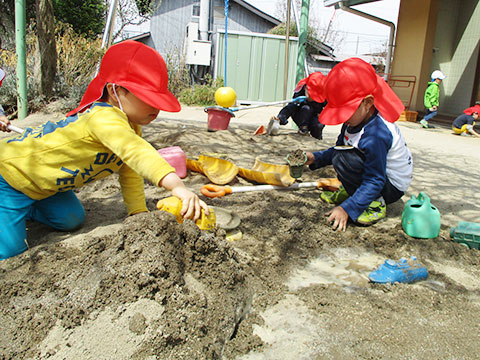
(169, 289)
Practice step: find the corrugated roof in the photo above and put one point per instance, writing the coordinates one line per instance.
(258, 12)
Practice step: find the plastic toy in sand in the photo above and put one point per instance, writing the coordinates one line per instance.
(173, 205)
(402, 271)
(420, 219)
(466, 233)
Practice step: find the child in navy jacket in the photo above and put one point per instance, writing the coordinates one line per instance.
(371, 157)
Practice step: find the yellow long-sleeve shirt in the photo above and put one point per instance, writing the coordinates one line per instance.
(70, 153)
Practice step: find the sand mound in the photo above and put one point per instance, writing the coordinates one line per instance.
(168, 288)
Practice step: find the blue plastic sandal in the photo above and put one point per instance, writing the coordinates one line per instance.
(402, 271)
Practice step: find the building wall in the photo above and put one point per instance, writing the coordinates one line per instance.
(414, 45)
(444, 35)
(168, 24)
(457, 40)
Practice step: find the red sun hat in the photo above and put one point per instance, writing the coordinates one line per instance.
(315, 86)
(138, 68)
(2, 76)
(348, 83)
(473, 109)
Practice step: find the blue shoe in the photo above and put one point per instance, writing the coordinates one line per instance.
(402, 271)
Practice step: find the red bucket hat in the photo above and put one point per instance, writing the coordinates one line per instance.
(137, 67)
(473, 109)
(2, 76)
(315, 86)
(346, 86)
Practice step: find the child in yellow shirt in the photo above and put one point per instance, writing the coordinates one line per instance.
(40, 168)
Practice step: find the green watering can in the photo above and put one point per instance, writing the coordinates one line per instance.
(420, 219)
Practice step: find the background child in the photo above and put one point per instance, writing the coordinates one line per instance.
(463, 125)
(305, 114)
(40, 168)
(371, 157)
(431, 98)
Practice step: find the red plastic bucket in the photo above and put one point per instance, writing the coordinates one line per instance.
(218, 118)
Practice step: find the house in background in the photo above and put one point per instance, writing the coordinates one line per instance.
(255, 61)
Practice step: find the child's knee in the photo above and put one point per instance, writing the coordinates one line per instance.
(72, 221)
(12, 246)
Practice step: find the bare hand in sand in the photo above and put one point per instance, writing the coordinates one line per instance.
(339, 217)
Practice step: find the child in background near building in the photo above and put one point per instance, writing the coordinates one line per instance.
(371, 158)
(431, 98)
(40, 168)
(463, 125)
(305, 114)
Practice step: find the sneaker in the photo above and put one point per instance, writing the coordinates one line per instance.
(303, 130)
(424, 123)
(334, 197)
(375, 211)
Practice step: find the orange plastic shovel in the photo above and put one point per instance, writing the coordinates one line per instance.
(212, 191)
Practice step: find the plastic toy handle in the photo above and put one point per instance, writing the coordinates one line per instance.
(14, 128)
(212, 191)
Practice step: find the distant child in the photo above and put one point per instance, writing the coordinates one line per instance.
(371, 158)
(463, 125)
(305, 114)
(40, 168)
(431, 98)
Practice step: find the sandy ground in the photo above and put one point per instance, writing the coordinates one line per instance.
(147, 287)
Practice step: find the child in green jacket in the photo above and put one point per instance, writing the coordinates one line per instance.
(431, 98)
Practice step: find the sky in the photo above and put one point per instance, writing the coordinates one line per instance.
(360, 35)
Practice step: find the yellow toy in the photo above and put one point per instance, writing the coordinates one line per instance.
(225, 96)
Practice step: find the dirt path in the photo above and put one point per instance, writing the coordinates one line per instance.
(291, 288)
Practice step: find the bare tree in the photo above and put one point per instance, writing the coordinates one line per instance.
(133, 12)
(46, 47)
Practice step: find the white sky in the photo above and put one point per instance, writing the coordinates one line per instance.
(361, 35)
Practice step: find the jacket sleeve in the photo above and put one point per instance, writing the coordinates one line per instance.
(140, 158)
(374, 145)
(324, 158)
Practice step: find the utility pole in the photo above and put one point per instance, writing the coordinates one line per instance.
(20, 20)
(287, 45)
(302, 40)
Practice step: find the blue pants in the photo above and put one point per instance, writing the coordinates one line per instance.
(430, 115)
(349, 166)
(62, 211)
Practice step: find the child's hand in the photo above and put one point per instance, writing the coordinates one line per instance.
(192, 205)
(310, 158)
(434, 108)
(339, 217)
(4, 122)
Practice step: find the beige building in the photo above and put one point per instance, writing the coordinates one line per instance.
(433, 35)
(439, 35)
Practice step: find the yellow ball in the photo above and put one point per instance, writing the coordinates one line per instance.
(225, 97)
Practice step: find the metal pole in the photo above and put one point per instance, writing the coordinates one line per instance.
(226, 32)
(302, 40)
(107, 35)
(287, 44)
(20, 20)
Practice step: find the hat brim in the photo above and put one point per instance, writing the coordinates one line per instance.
(164, 101)
(332, 115)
